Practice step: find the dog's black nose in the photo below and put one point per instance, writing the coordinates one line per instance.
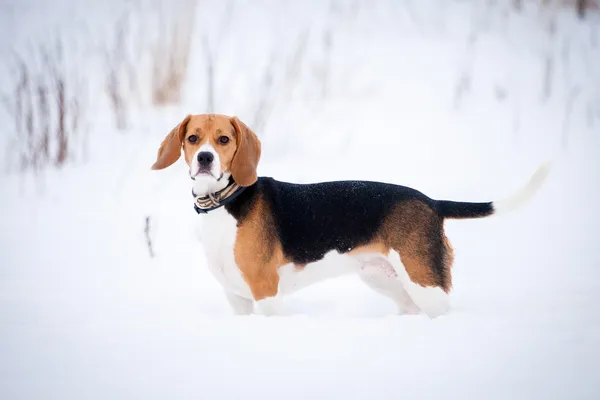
(205, 158)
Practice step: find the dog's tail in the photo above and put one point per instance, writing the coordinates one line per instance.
(457, 209)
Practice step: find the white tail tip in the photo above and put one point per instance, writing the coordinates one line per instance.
(526, 192)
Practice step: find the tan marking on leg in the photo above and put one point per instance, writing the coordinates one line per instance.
(415, 231)
(258, 252)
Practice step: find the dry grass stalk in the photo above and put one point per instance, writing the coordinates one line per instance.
(170, 55)
(116, 62)
(45, 106)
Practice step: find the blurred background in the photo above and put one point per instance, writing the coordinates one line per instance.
(341, 70)
(461, 99)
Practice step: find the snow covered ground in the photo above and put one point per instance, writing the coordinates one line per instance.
(450, 97)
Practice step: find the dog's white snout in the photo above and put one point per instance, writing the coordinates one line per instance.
(205, 163)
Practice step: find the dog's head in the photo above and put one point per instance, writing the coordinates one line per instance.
(215, 147)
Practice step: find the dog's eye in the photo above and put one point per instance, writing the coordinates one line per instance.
(223, 139)
(193, 138)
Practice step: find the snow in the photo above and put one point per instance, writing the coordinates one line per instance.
(86, 313)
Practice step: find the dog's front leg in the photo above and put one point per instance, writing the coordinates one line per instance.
(265, 290)
(259, 265)
(271, 306)
(240, 305)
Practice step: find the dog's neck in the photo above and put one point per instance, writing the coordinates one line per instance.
(219, 198)
(204, 187)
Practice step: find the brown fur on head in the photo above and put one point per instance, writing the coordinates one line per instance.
(236, 147)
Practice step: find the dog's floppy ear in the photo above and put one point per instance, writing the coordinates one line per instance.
(170, 148)
(247, 155)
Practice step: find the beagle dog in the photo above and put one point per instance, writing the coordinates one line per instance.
(265, 238)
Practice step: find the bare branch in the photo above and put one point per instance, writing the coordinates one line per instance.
(210, 75)
(575, 91)
(148, 238)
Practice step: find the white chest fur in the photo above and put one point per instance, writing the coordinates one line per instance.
(218, 239)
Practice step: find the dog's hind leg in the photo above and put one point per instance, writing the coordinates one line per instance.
(420, 255)
(431, 299)
(378, 273)
(391, 288)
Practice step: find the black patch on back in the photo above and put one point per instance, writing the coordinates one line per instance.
(313, 219)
